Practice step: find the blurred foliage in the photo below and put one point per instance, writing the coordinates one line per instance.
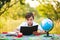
(48, 10)
(3, 2)
(12, 13)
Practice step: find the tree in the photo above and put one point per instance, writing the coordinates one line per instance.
(3, 2)
(48, 10)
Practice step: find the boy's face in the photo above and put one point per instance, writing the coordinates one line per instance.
(30, 21)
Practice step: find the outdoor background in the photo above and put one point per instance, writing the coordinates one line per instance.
(12, 13)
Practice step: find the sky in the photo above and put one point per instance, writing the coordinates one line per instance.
(32, 3)
(35, 3)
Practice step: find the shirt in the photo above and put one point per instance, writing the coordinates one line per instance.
(26, 24)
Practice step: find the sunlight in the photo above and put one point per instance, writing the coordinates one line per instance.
(33, 3)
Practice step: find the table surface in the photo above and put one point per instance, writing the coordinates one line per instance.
(31, 37)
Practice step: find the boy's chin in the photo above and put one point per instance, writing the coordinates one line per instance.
(30, 25)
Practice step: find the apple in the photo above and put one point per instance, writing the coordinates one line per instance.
(19, 35)
(4, 32)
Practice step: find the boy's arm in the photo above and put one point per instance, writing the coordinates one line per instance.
(39, 33)
(18, 28)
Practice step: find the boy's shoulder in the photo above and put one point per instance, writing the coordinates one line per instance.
(25, 23)
(35, 23)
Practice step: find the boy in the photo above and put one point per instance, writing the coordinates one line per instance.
(30, 22)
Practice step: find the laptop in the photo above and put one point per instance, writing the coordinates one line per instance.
(28, 30)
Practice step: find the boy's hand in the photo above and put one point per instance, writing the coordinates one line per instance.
(36, 33)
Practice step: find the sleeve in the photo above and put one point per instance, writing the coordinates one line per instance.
(18, 28)
(40, 28)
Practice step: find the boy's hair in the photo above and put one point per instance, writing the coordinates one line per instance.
(28, 15)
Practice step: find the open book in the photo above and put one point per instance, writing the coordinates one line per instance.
(26, 30)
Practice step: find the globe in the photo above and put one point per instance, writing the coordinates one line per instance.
(47, 24)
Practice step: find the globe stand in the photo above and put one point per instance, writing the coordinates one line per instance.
(47, 34)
